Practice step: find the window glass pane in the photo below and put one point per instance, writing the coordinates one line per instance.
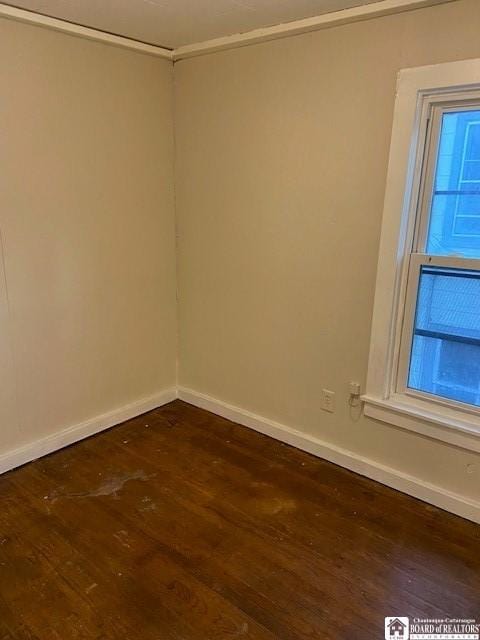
(455, 212)
(445, 357)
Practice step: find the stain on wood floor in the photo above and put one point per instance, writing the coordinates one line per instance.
(180, 525)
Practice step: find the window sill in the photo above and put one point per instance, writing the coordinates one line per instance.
(440, 423)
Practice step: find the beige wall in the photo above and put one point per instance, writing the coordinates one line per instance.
(87, 220)
(281, 163)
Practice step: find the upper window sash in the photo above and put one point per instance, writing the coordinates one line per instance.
(436, 107)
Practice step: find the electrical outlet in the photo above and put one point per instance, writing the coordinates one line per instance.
(328, 400)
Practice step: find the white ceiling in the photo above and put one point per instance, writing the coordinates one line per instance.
(173, 23)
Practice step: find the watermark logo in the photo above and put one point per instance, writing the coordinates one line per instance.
(401, 628)
(397, 629)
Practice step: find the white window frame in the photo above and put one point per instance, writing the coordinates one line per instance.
(386, 397)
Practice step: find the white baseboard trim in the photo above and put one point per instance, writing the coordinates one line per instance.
(432, 494)
(70, 435)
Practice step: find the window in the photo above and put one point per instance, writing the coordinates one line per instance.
(424, 368)
(440, 349)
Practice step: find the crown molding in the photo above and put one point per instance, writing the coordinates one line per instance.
(30, 17)
(297, 27)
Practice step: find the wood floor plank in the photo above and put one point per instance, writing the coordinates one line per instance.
(181, 525)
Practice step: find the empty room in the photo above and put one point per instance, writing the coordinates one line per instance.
(240, 320)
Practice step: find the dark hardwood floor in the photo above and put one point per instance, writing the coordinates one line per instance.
(180, 525)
